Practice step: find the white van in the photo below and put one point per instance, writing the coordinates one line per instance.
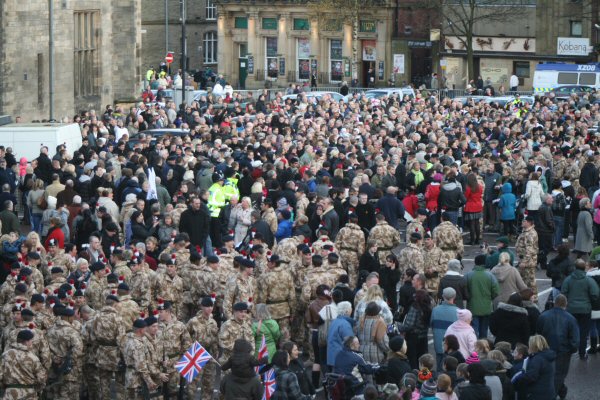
(552, 75)
(27, 139)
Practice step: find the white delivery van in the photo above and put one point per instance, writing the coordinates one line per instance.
(550, 76)
(27, 139)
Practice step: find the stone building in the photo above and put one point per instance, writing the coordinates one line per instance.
(277, 42)
(96, 53)
(161, 24)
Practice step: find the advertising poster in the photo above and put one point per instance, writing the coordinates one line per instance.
(369, 50)
(336, 71)
(303, 48)
(304, 69)
(398, 63)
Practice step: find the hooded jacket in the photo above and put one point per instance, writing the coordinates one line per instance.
(507, 203)
(581, 292)
(464, 332)
(510, 323)
(451, 197)
(510, 281)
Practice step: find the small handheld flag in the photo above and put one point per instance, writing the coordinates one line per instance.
(262, 352)
(193, 361)
(270, 384)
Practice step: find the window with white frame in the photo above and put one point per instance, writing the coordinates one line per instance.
(303, 56)
(336, 63)
(272, 68)
(211, 9)
(210, 47)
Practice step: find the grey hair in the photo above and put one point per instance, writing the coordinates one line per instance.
(584, 202)
(344, 308)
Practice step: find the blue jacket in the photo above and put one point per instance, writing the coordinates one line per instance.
(347, 360)
(392, 209)
(560, 329)
(284, 229)
(508, 203)
(442, 317)
(539, 375)
(339, 329)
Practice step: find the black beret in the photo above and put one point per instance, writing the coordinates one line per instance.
(56, 270)
(97, 266)
(27, 312)
(139, 323)
(21, 288)
(33, 255)
(123, 286)
(112, 297)
(25, 335)
(37, 298)
(151, 321)
(240, 307)
(212, 259)
(206, 302)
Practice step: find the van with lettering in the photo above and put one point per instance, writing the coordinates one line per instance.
(549, 76)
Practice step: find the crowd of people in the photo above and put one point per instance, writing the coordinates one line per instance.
(329, 234)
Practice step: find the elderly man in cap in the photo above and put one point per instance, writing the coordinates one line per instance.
(23, 375)
(238, 327)
(442, 316)
(491, 259)
(276, 289)
(203, 329)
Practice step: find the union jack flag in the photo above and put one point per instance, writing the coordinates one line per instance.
(262, 352)
(270, 384)
(193, 361)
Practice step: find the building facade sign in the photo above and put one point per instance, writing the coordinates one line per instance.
(570, 46)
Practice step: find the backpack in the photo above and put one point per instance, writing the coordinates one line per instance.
(324, 328)
(559, 204)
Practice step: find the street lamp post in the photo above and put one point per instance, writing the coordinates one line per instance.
(183, 50)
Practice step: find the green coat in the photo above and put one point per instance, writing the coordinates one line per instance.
(581, 292)
(270, 329)
(483, 288)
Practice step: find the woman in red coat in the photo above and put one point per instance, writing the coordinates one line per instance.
(473, 208)
(55, 234)
(432, 193)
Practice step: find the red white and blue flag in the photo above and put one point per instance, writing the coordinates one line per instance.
(193, 361)
(270, 384)
(262, 352)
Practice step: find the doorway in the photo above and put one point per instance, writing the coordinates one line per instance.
(420, 67)
(368, 72)
(243, 65)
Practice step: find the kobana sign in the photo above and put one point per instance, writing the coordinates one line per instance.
(568, 46)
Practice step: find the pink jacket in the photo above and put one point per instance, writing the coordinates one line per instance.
(465, 335)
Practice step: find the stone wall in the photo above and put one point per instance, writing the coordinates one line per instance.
(24, 63)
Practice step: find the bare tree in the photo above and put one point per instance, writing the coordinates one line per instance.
(462, 16)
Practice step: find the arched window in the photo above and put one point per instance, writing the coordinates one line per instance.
(210, 47)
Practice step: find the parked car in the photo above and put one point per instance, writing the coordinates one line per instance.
(565, 92)
(157, 133)
(386, 92)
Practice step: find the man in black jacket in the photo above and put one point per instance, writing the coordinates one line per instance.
(589, 174)
(545, 228)
(44, 166)
(195, 222)
(451, 198)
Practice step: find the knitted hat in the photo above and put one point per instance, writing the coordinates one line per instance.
(429, 388)
(464, 315)
(396, 343)
(473, 358)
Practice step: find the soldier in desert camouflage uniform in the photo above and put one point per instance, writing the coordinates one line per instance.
(21, 373)
(56, 257)
(238, 327)
(107, 332)
(412, 255)
(91, 382)
(140, 284)
(323, 242)
(519, 166)
(416, 225)
(65, 341)
(137, 360)
(240, 288)
(203, 329)
(572, 170)
(34, 262)
(386, 237)
(23, 319)
(527, 251)
(433, 267)
(286, 248)
(57, 279)
(559, 165)
(96, 286)
(316, 276)
(168, 285)
(8, 287)
(128, 309)
(173, 340)
(155, 363)
(350, 241)
(300, 268)
(120, 267)
(449, 239)
(276, 290)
